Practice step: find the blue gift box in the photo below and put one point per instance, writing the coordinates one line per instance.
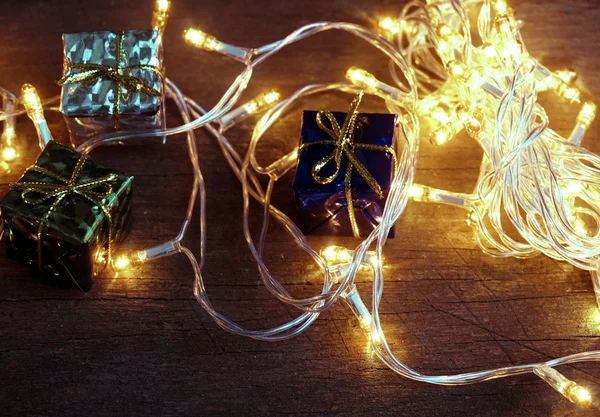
(323, 208)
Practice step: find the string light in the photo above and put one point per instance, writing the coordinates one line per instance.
(161, 15)
(35, 111)
(254, 106)
(367, 81)
(199, 39)
(569, 389)
(488, 99)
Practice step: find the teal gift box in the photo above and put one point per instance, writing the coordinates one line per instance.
(65, 216)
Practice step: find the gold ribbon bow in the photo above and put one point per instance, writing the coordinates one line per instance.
(38, 192)
(343, 141)
(90, 73)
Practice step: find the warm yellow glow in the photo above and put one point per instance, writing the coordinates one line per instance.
(574, 188)
(389, 25)
(163, 5)
(568, 76)
(428, 104)
(9, 154)
(587, 115)
(569, 93)
(200, 39)
(439, 137)
(9, 133)
(578, 395)
(440, 116)
(489, 51)
(161, 14)
(501, 7)
(122, 262)
(336, 254)
(262, 101)
(472, 120)
(416, 192)
(375, 336)
(31, 101)
(459, 70)
(361, 78)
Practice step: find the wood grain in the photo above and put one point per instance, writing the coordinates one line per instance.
(139, 344)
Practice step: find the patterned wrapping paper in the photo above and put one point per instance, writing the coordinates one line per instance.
(88, 106)
(323, 208)
(75, 230)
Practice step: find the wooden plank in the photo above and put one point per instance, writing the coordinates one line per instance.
(139, 344)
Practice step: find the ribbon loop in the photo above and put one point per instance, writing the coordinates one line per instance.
(90, 73)
(94, 190)
(344, 145)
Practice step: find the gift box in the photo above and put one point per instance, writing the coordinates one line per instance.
(66, 215)
(323, 190)
(112, 81)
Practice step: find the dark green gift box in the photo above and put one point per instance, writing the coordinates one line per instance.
(77, 230)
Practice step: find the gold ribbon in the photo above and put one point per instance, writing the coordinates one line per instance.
(343, 141)
(90, 73)
(37, 192)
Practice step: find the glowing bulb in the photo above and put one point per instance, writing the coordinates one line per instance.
(337, 254)
(472, 120)
(440, 115)
(501, 7)
(121, 263)
(32, 102)
(571, 94)
(571, 390)
(578, 395)
(361, 78)
(389, 25)
(340, 255)
(9, 154)
(161, 14)
(9, 133)
(367, 81)
(263, 101)
(567, 76)
(35, 111)
(254, 106)
(489, 51)
(416, 192)
(200, 39)
(445, 132)
(574, 188)
(459, 71)
(587, 115)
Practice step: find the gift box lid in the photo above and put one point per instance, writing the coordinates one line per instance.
(96, 97)
(76, 219)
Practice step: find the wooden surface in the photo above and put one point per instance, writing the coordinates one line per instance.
(139, 344)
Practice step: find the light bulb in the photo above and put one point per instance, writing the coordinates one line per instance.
(161, 14)
(32, 102)
(122, 262)
(200, 39)
(569, 93)
(367, 81)
(390, 26)
(416, 192)
(9, 154)
(35, 111)
(445, 132)
(256, 105)
(568, 76)
(587, 115)
(569, 389)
